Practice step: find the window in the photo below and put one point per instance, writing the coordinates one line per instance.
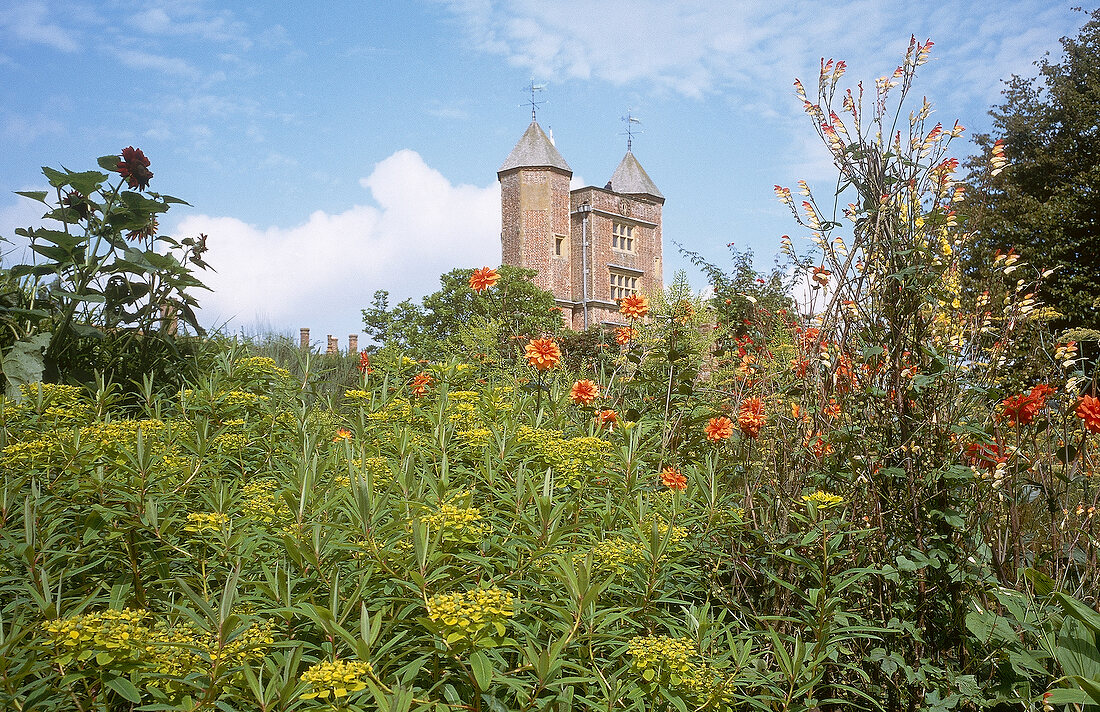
(622, 286)
(559, 245)
(622, 237)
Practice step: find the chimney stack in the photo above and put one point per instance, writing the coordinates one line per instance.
(333, 344)
(353, 344)
(304, 337)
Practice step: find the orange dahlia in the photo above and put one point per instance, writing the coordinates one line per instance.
(634, 307)
(1088, 410)
(673, 478)
(342, 434)
(1021, 409)
(483, 278)
(751, 416)
(607, 418)
(584, 392)
(543, 354)
(420, 384)
(718, 429)
(624, 335)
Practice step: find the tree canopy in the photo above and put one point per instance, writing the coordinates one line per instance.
(1046, 201)
(513, 307)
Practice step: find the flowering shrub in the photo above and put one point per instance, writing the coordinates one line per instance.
(786, 511)
(338, 678)
(472, 617)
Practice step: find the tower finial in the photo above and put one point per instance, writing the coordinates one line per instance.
(629, 120)
(532, 87)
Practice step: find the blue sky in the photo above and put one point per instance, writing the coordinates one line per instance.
(332, 149)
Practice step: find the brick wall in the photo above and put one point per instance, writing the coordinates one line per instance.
(537, 206)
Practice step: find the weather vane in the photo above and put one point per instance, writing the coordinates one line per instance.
(533, 88)
(630, 120)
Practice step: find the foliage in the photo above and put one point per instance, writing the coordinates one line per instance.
(852, 508)
(103, 294)
(1044, 203)
(741, 293)
(506, 315)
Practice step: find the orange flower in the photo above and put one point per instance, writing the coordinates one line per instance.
(624, 335)
(1088, 410)
(543, 354)
(673, 478)
(342, 434)
(420, 384)
(607, 418)
(983, 455)
(584, 392)
(483, 278)
(751, 416)
(364, 363)
(818, 445)
(634, 307)
(718, 429)
(1021, 409)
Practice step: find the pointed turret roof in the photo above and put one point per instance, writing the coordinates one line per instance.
(534, 149)
(630, 178)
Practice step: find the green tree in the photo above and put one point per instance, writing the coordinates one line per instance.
(510, 312)
(1046, 201)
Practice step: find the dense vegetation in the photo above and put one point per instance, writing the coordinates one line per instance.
(729, 504)
(1046, 201)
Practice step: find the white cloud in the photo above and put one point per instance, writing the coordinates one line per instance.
(30, 22)
(137, 59)
(700, 47)
(25, 129)
(321, 273)
(181, 18)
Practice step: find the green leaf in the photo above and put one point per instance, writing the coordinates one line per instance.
(90, 298)
(87, 182)
(56, 178)
(1043, 584)
(108, 163)
(138, 203)
(39, 195)
(482, 669)
(1091, 688)
(58, 254)
(1076, 649)
(18, 271)
(1067, 696)
(125, 688)
(23, 363)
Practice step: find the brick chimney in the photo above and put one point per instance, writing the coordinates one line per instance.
(303, 337)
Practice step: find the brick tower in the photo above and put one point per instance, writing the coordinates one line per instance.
(591, 246)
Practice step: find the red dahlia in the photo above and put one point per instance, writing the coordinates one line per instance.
(134, 167)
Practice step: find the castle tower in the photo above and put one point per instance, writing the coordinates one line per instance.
(592, 246)
(534, 192)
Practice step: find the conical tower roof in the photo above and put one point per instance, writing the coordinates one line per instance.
(631, 179)
(534, 149)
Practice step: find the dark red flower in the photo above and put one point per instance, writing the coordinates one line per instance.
(78, 203)
(134, 167)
